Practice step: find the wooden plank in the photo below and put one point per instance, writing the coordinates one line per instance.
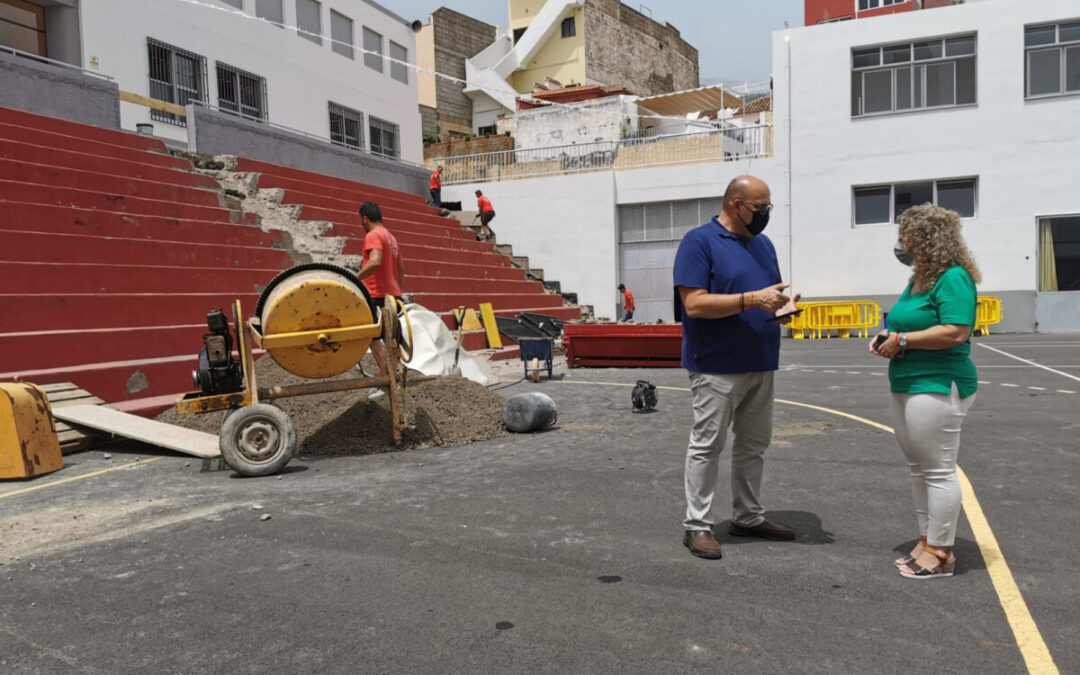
(58, 387)
(87, 400)
(492, 328)
(188, 441)
(153, 103)
(58, 397)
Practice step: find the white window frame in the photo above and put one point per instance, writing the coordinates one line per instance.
(912, 65)
(377, 122)
(349, 51)
(237, 73)
(1061, 47)
(313, 36)
(399, 69)
(934, 198)
(879, 4)
(370, 60)
(344, 112)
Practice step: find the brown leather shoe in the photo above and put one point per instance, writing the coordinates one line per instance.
(765, 530)
(702, 544)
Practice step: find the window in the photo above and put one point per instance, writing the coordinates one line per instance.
(865, 5)
(239, 4)
(883, 204)
(399, 71)
(384, 137)
(518, 32)
(346, 126)
(1059, 253)
(913, 76)
(271, 10)
(569, 28)
(490, 130)
(1053, 59)
(241, 92)
(22, 26)
(341, 34)
(309, 20)
(839, 18)
(373, 43)
(176, 76)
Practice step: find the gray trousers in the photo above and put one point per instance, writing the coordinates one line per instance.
(743, 402)
(928, 429)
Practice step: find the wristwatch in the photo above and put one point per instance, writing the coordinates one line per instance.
(901, 341)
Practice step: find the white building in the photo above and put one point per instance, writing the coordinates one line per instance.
(254, 58)
(974, 107)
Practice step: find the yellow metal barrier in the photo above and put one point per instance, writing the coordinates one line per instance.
(987, 313)
(820, 319)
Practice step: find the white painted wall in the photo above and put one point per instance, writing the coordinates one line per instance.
(564, 224)
(587, 122)
(1023, 152)
(302, 77)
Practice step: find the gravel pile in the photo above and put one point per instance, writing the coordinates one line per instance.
(443, 412)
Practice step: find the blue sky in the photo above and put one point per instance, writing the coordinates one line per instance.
(733, 37)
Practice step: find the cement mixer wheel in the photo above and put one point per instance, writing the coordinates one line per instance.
(257, 440)
(307, 267)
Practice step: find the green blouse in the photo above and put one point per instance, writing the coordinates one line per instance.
(952, 300)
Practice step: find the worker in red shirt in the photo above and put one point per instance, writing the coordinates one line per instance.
(487, 214)
(436, 187)
(382, 273)
(628, 304)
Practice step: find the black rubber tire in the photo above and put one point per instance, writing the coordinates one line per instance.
(306, 268)
(244, 433)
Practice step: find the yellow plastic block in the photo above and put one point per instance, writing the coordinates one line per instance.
(494, 341)
(472, 322)
(28, 442)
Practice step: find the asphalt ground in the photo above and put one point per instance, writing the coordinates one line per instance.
(561, 552)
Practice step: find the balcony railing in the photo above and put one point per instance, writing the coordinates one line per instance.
(709, 145)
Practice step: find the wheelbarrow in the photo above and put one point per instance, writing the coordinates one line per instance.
(536, 352)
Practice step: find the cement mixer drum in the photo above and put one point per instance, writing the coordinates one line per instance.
(315, 297)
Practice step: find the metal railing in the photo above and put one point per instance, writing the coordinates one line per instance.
(728, 144)
(53, 62)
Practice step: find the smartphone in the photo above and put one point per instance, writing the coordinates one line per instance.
(880, 340)
(785, 315)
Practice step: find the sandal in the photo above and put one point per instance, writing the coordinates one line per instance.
(909, 559)
(945, 568)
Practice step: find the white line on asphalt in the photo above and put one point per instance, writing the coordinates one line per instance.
(853, 372)
(1065, 391)
(1038, 388)
(1009, 385)
(828, 371)
(982, 382)
(1011, 356)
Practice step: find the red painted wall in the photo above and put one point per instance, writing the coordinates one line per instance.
(822, 10)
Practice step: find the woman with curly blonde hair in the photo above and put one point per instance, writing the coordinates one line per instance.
(932, 378)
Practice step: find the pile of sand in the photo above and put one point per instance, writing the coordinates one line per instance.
(442, 412)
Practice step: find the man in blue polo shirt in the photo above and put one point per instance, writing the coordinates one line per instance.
(729, 291)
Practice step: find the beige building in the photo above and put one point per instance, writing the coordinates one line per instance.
(442, 45)
(577, 42)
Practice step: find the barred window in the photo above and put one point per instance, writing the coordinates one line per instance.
(933, 73)
(346, 126)
(176, 76)
(241, 92)
(384, 137)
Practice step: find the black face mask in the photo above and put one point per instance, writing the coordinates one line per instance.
(757, 222)
(902, 254)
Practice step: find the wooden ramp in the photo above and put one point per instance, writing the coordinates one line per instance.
(188, 441)
(65, 394)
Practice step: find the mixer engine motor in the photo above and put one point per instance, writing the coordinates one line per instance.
(219, 372)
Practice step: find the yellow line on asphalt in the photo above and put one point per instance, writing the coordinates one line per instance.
(1029, 640)
(75, 478)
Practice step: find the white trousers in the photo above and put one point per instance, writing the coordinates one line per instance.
(743, 402)
(928, 430)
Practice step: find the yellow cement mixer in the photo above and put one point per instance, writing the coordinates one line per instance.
(316, 321)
